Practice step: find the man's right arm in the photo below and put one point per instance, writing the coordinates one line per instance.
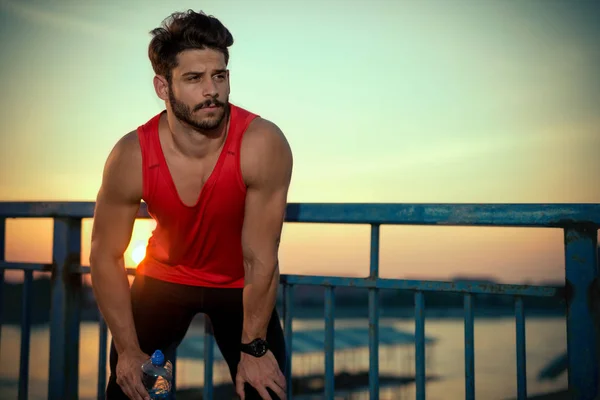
(117, 205)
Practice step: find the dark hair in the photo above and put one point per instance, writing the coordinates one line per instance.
(182, 31)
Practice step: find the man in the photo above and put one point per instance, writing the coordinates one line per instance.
(215, 178)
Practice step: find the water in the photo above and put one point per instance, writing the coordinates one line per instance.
(157, 376)
(495, 358)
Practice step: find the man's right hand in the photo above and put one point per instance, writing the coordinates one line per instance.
(129, 374)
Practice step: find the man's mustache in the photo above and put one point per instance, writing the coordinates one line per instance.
(209, 103)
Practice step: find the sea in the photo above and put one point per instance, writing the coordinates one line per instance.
(495, 358)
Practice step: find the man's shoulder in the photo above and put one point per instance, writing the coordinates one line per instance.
(130, 139)
(126, 156)
(128, 146)
(122, 176)
(129, 143)
(265, 152)
(263, 134)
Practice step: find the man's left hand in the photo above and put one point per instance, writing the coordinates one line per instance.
(261, 373)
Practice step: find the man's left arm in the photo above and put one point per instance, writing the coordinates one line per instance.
(268, 168)
(266, 163)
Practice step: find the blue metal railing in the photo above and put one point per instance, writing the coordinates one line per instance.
(580, 223)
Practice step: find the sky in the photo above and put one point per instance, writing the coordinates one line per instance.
(381, 101)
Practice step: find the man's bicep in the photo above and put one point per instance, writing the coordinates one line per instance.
(267, 166)
(118, 201)
(114, 218)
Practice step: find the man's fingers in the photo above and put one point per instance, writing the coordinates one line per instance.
(262, 390)
(141, 390)
(125, 387)
(131, 392)
(280, 379)
(279, 391)
(133, 388)
(136, 394)
(127, 392)
(239, 387)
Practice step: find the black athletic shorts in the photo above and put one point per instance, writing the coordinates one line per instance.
(163, 311)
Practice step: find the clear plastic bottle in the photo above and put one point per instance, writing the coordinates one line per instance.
(157, 376)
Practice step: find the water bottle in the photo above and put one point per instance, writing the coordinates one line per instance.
(157, 376)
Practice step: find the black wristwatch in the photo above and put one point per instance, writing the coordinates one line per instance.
(256, 348)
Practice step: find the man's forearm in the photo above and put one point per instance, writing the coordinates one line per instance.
(260, 293)
(111, 290)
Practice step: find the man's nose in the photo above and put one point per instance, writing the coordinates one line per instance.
(209, 89)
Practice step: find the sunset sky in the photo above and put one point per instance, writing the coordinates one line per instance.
(382, 101)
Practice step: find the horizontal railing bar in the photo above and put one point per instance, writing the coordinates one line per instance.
(50, 209)
(506, 215)
(431, 286)
(514, 215)
(379, 283)
(19, 266)
(80, 269)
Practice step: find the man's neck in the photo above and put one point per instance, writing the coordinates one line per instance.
(193, 143)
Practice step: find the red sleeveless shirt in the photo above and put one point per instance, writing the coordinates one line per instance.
(199, 245)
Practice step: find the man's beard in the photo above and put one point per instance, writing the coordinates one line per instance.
(184, 113)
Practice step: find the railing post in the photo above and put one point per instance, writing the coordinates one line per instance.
(420, 371)
(581, 265)
(374, 316)
(64, 310)
(25, 335)
(102, 342)
(329, 343)
(209, 354)
(2, 249)
(288, 316)
(469, 347)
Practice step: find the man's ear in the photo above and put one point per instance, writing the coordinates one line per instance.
(161, 87)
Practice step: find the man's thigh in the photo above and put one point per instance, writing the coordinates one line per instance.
(224, 308)
(162, 314)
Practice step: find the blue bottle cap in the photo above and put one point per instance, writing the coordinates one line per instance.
(158, 358)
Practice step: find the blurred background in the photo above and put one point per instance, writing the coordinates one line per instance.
(382, 101)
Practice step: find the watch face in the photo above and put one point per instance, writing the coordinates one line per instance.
(260, 347)
(257, 348)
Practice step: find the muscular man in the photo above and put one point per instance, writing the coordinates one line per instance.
(215, 178)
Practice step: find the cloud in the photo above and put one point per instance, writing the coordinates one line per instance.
(62, 20)
(452, 151)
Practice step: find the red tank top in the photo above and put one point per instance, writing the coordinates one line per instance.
(199, 245)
